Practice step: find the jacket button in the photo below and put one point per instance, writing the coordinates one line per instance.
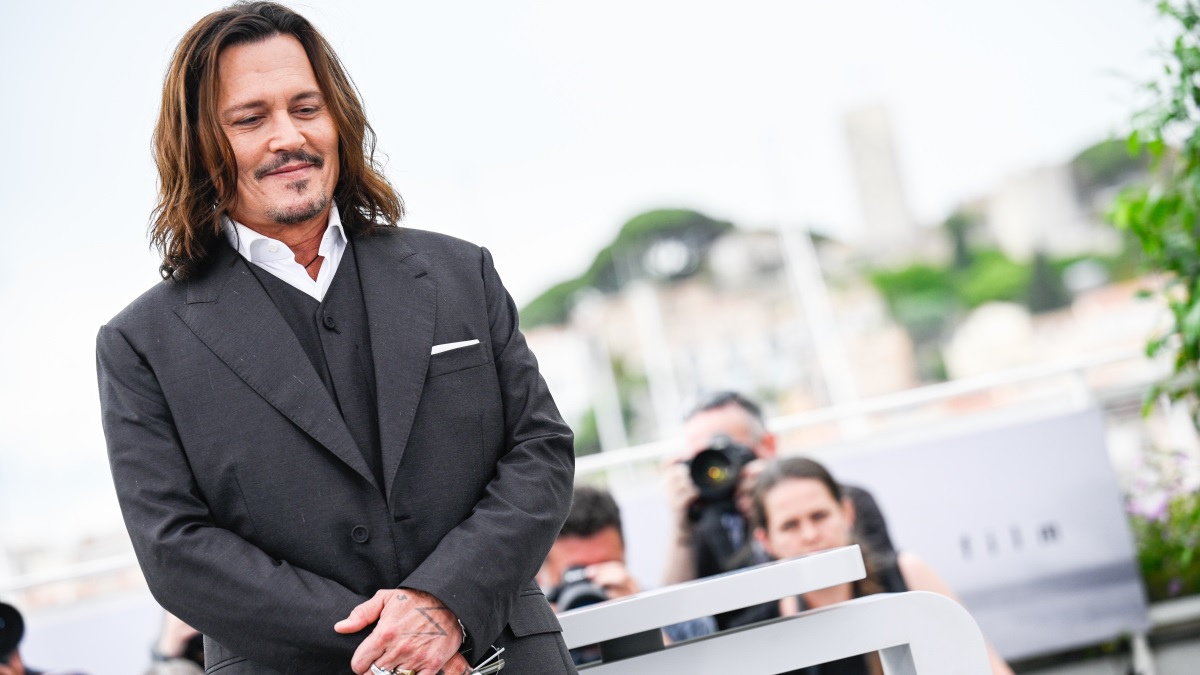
(330, 323)
(360, 534)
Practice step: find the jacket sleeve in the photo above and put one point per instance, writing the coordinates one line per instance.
(480, 567)
(260, 608)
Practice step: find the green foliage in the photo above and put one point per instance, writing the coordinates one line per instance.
(1164, 512)
(669, 223)
(621, 260)
(552, 306)
(959, 226)
(1123, 265)
(587, 434)
(992, 278)
(913, 280)
(927, 299)
(1046, 290)
(1162, 215)
(1167, 543)
(1106, 164)
(922, 296)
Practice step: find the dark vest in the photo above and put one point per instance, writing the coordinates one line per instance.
(334, 334)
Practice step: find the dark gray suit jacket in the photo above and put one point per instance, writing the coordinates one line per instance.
(253, 514)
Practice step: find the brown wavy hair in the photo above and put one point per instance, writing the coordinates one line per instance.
(197, 171)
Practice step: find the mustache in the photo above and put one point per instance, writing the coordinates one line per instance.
(288, 158)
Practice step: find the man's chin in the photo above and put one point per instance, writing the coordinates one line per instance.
(295, 214)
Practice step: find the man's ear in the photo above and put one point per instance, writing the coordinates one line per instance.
(760, 535)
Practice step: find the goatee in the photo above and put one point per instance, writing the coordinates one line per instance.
(300, 214)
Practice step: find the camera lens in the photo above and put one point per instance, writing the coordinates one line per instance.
(716, 471)
(712, 472)
(576, 590)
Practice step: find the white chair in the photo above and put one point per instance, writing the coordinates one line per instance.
(916, 633)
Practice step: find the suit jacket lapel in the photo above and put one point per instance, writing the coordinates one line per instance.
(230, 312)
(401, 300)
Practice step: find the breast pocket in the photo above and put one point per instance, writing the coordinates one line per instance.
(461, 358)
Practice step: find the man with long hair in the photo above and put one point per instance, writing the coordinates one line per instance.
(331, 444)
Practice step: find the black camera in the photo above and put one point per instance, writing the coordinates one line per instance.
(576, 590)
(716, 469)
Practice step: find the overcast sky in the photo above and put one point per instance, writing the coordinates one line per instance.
(533, 128)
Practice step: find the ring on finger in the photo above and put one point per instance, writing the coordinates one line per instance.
(376, 670)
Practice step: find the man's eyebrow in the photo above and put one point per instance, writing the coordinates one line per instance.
(231, 113)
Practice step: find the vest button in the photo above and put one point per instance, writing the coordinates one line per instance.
(360, 534)
(329, 322)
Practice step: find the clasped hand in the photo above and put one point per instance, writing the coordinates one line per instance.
(413, 630)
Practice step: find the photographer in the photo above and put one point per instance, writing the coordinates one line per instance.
(12, 629)
(709, 489)
(713, 536)
(179, 649)
(586, 565)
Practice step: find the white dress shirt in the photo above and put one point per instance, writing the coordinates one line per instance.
(275, 257)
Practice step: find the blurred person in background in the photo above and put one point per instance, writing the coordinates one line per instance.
(586, 565)
(799, 509)
(179, 649)
(12, 630)
(712, 533)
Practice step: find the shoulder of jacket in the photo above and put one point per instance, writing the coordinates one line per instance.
(428, 241)
(159, 299)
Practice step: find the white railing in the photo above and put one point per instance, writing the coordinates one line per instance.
(656, 451)
(76, 572)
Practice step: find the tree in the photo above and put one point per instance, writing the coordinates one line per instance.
(1106, 164)
(1162, 212)
(959, 226)
(1046, 289)
(621, 261)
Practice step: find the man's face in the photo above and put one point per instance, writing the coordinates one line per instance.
(282, 134)
(740, 427)
(729, 420)
(571, 551)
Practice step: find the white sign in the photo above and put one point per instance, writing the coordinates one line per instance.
(1024, 520)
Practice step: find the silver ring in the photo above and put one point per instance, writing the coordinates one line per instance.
(376, 670)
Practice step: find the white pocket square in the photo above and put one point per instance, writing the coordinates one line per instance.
(438, 349)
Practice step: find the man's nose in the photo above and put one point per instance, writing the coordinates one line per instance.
(285, 135)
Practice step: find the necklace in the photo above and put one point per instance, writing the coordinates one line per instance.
(310, 262)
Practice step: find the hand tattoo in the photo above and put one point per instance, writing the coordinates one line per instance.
(427, 612)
